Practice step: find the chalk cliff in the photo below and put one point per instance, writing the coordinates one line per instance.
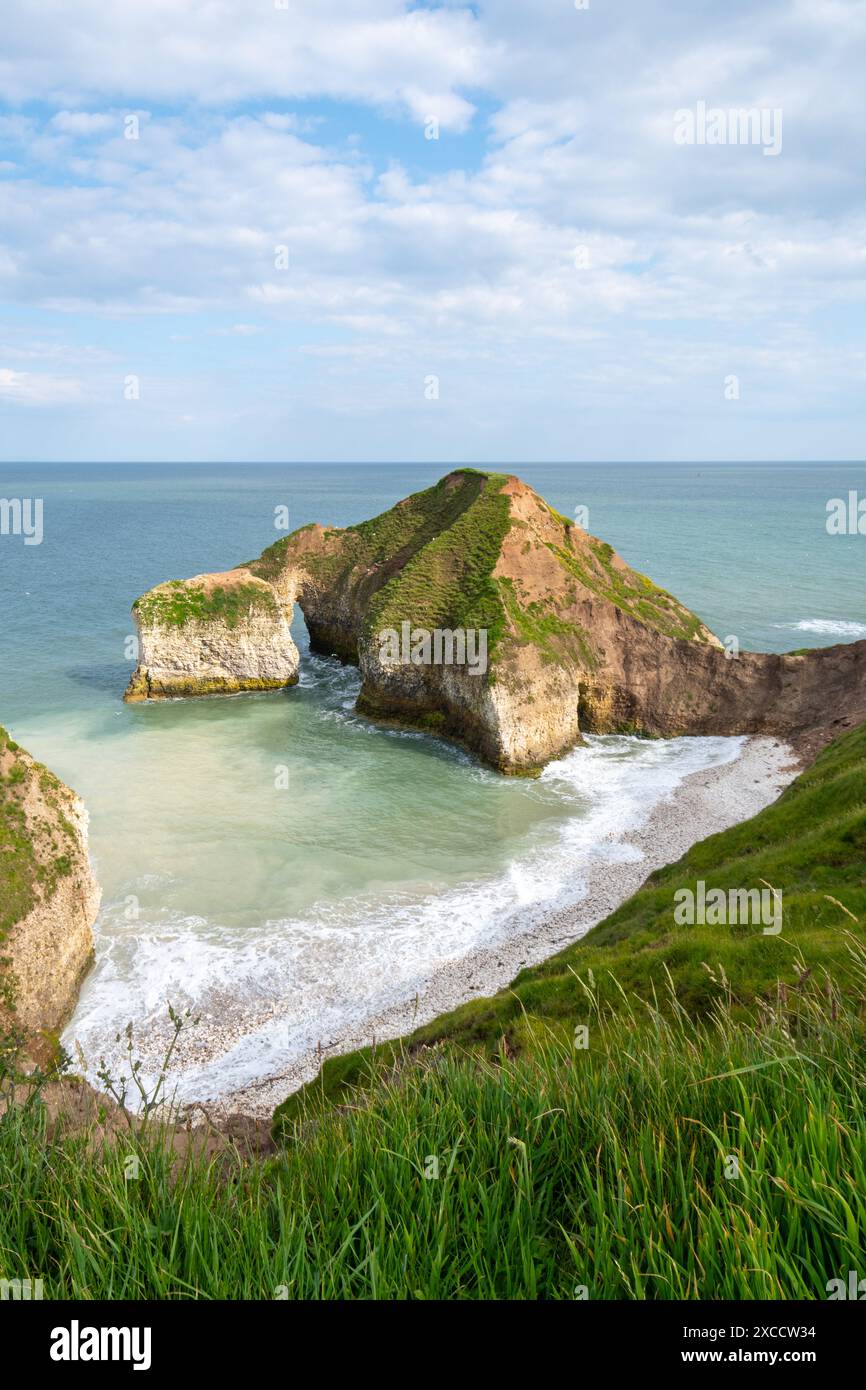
(574, 639)
(212, 635)
(49, 897)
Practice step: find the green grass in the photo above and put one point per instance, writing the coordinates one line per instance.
(810, 845)
(176, 603)
(391, 539)
(708, 1141)
(447, 582)
(428, 561)
(632, 592)
(269, 564)
(537, 622)
(454, 1177)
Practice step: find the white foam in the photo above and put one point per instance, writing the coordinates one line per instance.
(286, 985)
(831, 627)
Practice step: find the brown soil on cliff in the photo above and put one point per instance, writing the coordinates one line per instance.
(575, 639)
(73, 1109)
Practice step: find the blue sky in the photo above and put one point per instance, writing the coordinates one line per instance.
(578, 284)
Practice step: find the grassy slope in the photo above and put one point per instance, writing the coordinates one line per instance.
(441, 546)
(810, 844)
(706, 1152)
(437, 551)
(603, 1170)
(446, 582)
(634, 593)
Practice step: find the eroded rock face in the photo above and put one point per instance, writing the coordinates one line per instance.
(49, 897)
(513, 723)
(574, 638)
(213, 635)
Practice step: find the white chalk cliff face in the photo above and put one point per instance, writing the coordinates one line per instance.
(512, 722)
(213, 635)
(49, 897)
(577, 640)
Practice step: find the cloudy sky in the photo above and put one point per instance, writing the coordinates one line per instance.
(228, 232)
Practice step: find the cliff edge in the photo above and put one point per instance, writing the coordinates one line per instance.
(49, 897)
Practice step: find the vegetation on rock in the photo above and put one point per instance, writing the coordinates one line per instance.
(576, 641)
(37, 845)
(34, 855)
(178, 602)
(435, 554)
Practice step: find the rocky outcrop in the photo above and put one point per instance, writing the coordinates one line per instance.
(49, 897)
(212, 635)
(476, 611)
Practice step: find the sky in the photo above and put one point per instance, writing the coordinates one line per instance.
(376, 230)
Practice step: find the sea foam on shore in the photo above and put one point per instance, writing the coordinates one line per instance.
(610, 863)
(294, 993)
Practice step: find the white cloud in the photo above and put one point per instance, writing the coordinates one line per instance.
(694, 259)
(378, 51)
(83, 122)
(31, 388)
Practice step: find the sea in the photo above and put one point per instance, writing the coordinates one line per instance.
(278, 848)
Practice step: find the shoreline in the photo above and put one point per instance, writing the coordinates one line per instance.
(705, 802)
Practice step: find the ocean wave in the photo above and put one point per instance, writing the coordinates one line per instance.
(830, 627)
(287, 985)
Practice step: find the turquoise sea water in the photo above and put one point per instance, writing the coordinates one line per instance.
(388, 853)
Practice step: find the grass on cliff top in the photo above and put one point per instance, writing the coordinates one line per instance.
(429, 561)
(444, 579)
(178, 602)
(434, 552)
(666, 1160)
(389, 538)
(810, 845)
